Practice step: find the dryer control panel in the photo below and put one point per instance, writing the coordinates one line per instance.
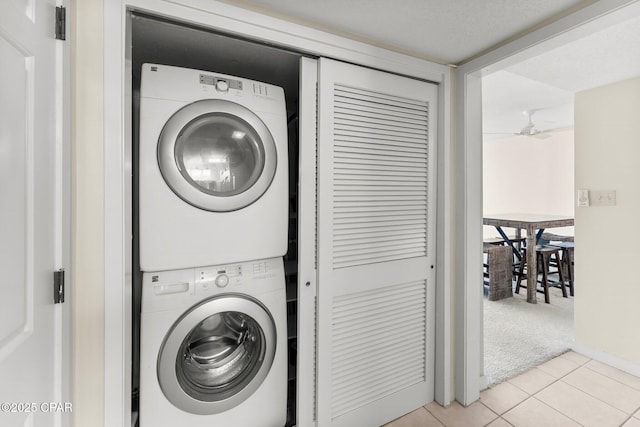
(221, 84)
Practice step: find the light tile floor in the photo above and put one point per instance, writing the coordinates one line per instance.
(570, 390)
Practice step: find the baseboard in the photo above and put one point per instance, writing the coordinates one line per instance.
(484, 382)
(609, 359)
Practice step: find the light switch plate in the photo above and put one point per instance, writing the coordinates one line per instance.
(583, 197)
(603, 198)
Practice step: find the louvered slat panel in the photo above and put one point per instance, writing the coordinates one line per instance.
(377, 124)
(385, 99)
(369, 114)
(345, 230)
(363, 108)
(379, 237)
(349, 365)
(377, 217)
(379, 128)
(382, 256)
(346, 167)
(372, 207)
(379, 151)
(394, 384)
(347, 135)
(381, 133)
(346, 160)
(378, 132)
(383, 330)
(382, 144)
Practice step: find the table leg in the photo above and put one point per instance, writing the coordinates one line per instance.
(532, 269)
(515, 250)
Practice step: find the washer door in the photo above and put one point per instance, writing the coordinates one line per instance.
(217, 354)
(217, 155)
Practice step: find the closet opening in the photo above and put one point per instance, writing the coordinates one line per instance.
(158, 40)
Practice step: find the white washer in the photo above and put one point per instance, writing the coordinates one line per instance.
(213, 169)
(213, 346)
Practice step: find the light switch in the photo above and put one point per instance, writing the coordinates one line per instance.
(603, 198)
(583, 198)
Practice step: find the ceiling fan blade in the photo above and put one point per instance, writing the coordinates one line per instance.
(542, 135)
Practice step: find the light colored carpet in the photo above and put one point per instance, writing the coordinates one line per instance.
(519, 335)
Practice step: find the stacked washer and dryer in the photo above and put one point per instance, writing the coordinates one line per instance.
(213, 217)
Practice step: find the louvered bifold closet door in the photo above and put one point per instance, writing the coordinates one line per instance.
(376, 223)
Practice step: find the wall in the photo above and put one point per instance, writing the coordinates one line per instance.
(95, 395)
(607, 312)
(529, 175)
(87, 238)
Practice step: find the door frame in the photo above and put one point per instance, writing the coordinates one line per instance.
(469, 355)
(117, 166)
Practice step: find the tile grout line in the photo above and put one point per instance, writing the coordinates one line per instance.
(588, 394)
(613, 379)
(435, 416)
(599, 399)
(629, 417)
(555, 380)
(560, 412)
(492, 411)
(506, 421)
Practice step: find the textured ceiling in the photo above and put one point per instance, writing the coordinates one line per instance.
(447, 31)
(453, 31)
(506, 97)
(548, 82)
(609, 55)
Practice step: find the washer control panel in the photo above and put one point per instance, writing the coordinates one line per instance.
(219, 277)
(244, 277)
(182, 288)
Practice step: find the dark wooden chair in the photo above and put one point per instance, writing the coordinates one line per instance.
(544, 255)
(566, 263)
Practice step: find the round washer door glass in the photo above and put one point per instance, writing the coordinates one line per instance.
(217, 155)
(217, 354)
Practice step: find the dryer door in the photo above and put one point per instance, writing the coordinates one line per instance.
(217, 155)
(217, 354)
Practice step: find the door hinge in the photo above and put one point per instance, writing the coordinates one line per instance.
(61, 22)
(58, 286)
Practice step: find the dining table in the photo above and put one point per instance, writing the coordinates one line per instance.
(534, 225)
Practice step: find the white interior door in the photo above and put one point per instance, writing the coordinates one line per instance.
(376, 256)
(31, 216)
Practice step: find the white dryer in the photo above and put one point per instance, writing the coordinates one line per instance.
(213, 169)
(213, 346)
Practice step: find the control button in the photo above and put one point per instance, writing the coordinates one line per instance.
(222, 86)
(222, 280)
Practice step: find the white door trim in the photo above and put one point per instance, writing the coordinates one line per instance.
(63, 213)
(117, 165)
(468, 222)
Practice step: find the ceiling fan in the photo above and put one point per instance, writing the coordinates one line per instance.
(530, 129)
